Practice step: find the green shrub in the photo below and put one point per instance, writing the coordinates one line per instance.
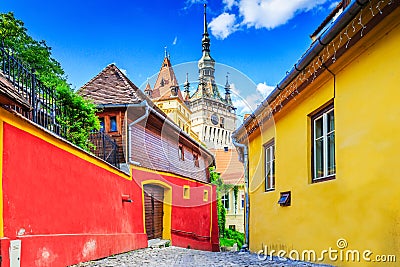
(225, 242)
(238, 237)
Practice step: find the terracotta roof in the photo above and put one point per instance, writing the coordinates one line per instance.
(111, 86)
(165, 80)
(229, 166)
(148, 87)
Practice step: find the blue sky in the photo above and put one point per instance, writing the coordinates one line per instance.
(262, 39)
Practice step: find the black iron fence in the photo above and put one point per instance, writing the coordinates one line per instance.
(42, 106)
(104, 147)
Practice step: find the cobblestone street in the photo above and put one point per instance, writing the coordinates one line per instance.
(174, 256)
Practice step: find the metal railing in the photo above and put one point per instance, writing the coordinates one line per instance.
(104, 148)
(43, 109)
(40, 104)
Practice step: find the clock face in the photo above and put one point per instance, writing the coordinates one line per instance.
(214, 119)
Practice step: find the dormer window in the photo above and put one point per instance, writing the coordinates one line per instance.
(113, 124)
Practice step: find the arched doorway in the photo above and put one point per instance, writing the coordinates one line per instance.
(154, 210)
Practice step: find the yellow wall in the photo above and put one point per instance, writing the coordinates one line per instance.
(362, 205)
(235, 216)
(177, 111)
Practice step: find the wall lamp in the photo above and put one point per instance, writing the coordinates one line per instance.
(126, 198)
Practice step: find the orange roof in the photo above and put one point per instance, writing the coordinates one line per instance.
(229, 166)
(165, 80)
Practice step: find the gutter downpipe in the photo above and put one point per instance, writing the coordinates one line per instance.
(246, 187)
(145, 115)
(343, 19)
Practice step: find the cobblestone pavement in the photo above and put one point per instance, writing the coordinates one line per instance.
(182, 257)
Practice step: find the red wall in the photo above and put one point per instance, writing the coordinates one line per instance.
(65, 209)
(194, 222)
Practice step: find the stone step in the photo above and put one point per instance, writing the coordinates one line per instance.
(158, 243)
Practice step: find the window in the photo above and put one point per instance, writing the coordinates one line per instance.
(181, 153)
(196, 160)
(242, 201)
(225, 201)
(324, 165)
(285, 199)
(101, 124)
(222, 122)
(269, 165)
(113, 124)
(205, 195)
(186, 192)
(232, 227)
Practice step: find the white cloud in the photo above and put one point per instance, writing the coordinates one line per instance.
(267, 14)
(334, 4)
(223, 25)
(234, 89)
(229, 4)
(250, 102)
(175, 40)
(189, 3)
(265, 89)
(124, 71)
(273, 13)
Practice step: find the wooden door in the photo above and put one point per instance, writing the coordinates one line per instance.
(153, 203)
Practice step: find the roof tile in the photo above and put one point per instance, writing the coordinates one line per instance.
(111, 86)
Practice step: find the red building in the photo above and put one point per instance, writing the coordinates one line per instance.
(169, 165)
(60, 205)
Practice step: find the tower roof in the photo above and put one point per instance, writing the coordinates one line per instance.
(111, 86)
(207, 87)
(148, 87)
(205, 41)
(166, 81)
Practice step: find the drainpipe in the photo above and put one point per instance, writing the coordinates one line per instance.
(146, 106)
(246, 187)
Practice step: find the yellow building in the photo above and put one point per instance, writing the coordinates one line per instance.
(323, 148)
(231, 171)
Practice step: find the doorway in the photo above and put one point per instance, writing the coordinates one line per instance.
(154, 210)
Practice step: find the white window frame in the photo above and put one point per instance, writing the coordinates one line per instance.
(269, 149)
(325, 144)
(226, 199)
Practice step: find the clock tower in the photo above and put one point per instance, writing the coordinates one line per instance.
(213, 116)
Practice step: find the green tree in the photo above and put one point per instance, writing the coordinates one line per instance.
(78, 117)
(222, 189)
